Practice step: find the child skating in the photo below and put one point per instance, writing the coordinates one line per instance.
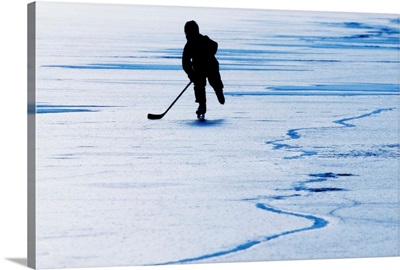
(199, 63)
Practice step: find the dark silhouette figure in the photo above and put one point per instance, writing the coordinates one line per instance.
(199, 63)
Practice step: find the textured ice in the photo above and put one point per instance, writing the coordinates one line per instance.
(300, 163)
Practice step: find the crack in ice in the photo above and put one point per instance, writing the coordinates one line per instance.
(344, 120)
(294, 134)
(317, 224)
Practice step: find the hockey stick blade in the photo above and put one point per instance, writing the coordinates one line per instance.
(154, 116)
(159, 116)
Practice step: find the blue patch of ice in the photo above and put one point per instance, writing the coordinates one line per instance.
(319, 178)
(369, 37)
(363, 87)
(329, 175)
(120, 66)
(356, 89)
(44, 108)
(293, 134)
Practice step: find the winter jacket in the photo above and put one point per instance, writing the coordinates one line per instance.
(199, 55)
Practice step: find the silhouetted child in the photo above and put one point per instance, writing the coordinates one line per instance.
(199, 63)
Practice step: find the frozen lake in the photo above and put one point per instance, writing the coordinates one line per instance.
(302, 162)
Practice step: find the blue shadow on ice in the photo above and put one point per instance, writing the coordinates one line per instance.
(206, 123)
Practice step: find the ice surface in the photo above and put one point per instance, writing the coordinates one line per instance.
(300, 163)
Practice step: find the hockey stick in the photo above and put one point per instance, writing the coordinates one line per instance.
(159, 116)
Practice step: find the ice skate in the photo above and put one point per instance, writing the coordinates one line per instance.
(201, 111)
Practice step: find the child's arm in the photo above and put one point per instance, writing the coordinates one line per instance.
(187, 64)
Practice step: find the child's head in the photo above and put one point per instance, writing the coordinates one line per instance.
(191, 30)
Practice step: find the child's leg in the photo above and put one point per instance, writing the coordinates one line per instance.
(214, 78)
(200, 89)
(200, 94)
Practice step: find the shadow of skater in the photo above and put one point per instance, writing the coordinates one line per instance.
(199, 63)
(206, 123)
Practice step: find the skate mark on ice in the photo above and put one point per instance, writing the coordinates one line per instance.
(294, 134)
